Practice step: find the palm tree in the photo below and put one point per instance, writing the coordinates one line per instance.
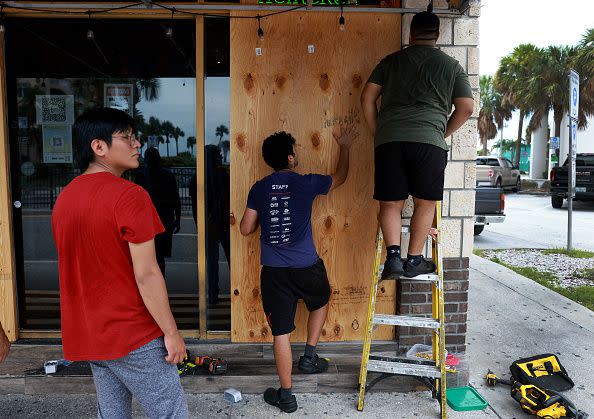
(167, 130)
(583, 62)
(512, 80)
(551, 89)
(177, 133)
(153, 128)
(220, 132)
(141, 127)
(225, 146)
(492, 113)
(149, 88)
(190, 143)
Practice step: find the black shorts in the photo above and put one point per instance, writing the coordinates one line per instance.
(409, 168)
(283, 287)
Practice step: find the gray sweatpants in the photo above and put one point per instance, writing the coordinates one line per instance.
(144, 374)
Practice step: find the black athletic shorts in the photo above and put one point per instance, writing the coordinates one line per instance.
(409, 168)
(283, 287)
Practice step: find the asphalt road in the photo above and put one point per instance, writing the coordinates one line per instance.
(531, 222)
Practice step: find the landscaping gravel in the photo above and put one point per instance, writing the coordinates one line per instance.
(569, 271)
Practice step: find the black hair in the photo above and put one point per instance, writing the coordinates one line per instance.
(97, 123)
(425, 25)
(277, 148)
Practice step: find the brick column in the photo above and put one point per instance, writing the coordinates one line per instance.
(459, 38)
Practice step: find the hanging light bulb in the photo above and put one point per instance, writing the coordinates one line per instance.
(341, 20)
(169, 29)
(90, 33)
(260, 30)
(430, 6)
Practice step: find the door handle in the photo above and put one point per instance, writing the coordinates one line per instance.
(17, 204)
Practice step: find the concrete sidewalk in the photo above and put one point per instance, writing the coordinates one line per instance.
(510, 317)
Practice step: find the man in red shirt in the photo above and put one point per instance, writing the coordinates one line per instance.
(114, 305)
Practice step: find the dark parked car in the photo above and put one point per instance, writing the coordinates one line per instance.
(584, 180)
(489, 205)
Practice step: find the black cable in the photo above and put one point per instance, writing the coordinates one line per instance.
(70, 12)
(47, 41)
(162, 6)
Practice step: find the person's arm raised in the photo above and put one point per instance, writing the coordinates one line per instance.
(344, 137)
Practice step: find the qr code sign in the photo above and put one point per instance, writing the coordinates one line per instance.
(55, 109)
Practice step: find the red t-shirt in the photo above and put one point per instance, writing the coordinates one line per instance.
(94, 219)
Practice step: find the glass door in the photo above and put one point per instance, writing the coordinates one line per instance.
(130, 65)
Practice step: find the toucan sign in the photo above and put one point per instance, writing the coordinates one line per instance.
(314, 3)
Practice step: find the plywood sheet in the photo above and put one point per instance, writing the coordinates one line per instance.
(288, 88)
(8, 316)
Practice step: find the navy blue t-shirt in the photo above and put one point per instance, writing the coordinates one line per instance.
(283, 201)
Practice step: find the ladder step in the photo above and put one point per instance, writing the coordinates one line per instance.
(403, 368)
(390, 319)
(423, 278)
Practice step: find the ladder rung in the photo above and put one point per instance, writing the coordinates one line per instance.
(406, 230)
(410, 321)
(403, 368)
(424, 277)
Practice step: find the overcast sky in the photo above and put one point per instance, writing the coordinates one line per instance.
(540, 22)
(177, 103)
(504, 24)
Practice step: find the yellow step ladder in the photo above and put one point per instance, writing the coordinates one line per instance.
(431, 372)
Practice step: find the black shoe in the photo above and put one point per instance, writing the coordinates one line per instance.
(393, 268)
(426, 266)
(272, 397)
(312, 365)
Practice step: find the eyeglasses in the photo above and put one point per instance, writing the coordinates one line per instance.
(130, 139)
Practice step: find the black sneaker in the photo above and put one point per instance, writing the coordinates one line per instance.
(426, 266)
(393, 268)
(312, 365)
(272, 397)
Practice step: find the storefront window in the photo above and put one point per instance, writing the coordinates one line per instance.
(130, 65)
(217, 158)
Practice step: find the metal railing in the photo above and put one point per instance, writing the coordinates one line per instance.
(40, 190)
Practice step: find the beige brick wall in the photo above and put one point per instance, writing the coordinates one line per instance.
(459, 39)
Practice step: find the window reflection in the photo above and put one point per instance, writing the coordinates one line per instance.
(164, 112)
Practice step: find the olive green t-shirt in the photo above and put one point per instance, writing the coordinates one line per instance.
(418, 86)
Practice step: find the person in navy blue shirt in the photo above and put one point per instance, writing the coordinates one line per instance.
(291, 268)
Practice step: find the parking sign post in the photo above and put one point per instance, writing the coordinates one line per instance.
(574, 102)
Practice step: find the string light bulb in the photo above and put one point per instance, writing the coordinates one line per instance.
(169, 29)
(90, 33)
(341, 20)
(260, 30)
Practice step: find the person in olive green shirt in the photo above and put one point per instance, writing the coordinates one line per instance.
(418, 87)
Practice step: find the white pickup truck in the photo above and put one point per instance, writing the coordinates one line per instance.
(497, 172)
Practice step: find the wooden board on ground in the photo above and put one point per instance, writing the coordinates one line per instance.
(307, 93)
